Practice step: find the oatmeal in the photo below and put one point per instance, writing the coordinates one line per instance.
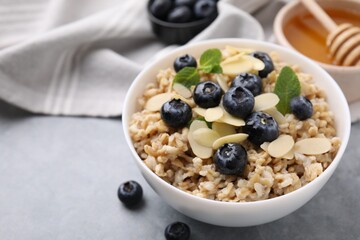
(273, 152)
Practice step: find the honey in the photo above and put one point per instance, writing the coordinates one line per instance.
(308, 36)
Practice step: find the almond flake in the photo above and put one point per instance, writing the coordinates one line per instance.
(223, 129)
(205, 136)
(313, 146)
(231, 50)
(289, 155)
(155, 103)
(265, 146)
(234, 50)
(235, 138)
(222, 83)
(213, 114)
(182, 90)
(281, 146)
(199, 111)
(188, 101)
(279, 118)
(265, 101)
(257, 64)
(236, 65)
(199, 150)
(229, 119)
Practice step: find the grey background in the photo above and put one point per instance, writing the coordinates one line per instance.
(59, 177)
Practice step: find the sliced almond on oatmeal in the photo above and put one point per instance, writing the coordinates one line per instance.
(223, 129)
(265, 101)
(279, 118)
(205, 136)
(199, 111)
(313, 146)
(289, 155)
(182, 90)
(229, 119)
(257, 64)
(233, 50)
(280, 146)
(233, 58)
(222, 83)
(199, 150)
(187, 100)
(213, 114)
(265, 146)
(236, 65)
(155, 103)
(235, 138)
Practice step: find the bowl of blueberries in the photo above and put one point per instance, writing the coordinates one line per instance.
(178, 21)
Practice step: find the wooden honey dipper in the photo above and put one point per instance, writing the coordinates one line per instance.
(343, 41)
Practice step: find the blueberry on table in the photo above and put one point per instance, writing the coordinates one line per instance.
(207, 94)
(230, 159)
(184, 61)
(176, 113)
(130, 193)
(181, 14)
(265, 58)
(177, 231)
(238, 101)
(261, 127)
(205, 8)
(251, 82)
(189, 3)
(160, 8)
(301, 107)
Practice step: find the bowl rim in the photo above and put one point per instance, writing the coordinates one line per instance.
(227, 41)
(281, 38)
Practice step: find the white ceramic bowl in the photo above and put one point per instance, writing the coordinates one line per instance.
(347, 77)
(248, 213)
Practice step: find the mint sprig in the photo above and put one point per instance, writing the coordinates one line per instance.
(187, 76)
(287, 86)
(210, 61)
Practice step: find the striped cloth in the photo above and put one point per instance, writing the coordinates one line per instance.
(78, 57)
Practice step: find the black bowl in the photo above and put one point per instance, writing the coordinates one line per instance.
(177, 33)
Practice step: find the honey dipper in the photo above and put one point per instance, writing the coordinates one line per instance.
(343, 41)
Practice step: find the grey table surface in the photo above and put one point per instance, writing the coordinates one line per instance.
(59, 177)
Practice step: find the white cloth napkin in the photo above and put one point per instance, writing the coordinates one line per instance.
(67, 57)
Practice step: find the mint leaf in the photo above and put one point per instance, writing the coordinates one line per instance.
(187, 76)
(217, 69)
(287, 86)
(210, 61)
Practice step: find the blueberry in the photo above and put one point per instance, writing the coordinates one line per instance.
(265, 58)
(181, 14)
(130, 193)
(205, 8)
(301, 107)
(207, 94)
(160, 8)
(184, 61)
(261, 128)
(189, 3)
(249, 81)
(230, 159)
(238, 101)
(177, 231)
(176, 113)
